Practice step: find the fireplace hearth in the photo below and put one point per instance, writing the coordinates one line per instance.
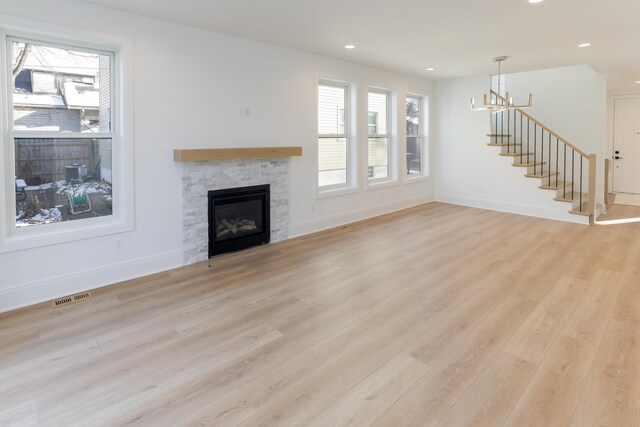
(239, 218)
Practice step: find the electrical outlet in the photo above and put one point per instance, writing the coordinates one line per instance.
(245, 112)
(119, 243)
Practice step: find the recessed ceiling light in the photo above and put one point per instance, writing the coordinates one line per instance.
(584, 45)
(430, 69)
(638, 82)
(535, 1)
(349, 46)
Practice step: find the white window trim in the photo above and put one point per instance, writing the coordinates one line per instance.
(390, 180)
(424, 126)
(122, 219)
(351, 186)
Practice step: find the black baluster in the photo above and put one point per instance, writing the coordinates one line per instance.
(508, 132)
(496, 127)
(564, 173)
(535, 147)
(550, 160)
(514, 131)
(573, 172)
(521, 140)
(557, 158)
(581, 157)
(542, 153)
(528, 136)
(502, 127)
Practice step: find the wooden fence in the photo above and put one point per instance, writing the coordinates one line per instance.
(43, 160)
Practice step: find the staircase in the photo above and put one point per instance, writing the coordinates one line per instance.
(561, 167)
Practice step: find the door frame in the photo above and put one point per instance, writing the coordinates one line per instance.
(611, 111)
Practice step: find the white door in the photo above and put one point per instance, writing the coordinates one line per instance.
(626, 146)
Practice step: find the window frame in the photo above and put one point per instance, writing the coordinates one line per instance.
(13, 238)
(420, 135)
(347, 126)
(388, 136)
(424, 134)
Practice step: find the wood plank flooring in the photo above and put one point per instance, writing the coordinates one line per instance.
(436, 315)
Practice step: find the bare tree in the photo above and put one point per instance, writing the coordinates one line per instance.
(21, 59)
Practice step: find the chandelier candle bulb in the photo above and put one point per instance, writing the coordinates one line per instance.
(500, 104)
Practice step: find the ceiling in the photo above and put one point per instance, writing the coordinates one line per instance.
(457, 37)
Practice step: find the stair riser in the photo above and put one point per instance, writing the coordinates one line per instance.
(510, 149)
(498, 140)
(561, 193)
(531, 170)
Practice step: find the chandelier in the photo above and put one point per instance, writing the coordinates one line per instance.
(500, 104)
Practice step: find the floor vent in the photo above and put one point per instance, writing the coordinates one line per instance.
(71, 299)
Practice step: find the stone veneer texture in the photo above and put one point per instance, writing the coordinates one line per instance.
(198, 178)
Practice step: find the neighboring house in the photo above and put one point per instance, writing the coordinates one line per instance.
(59, 90)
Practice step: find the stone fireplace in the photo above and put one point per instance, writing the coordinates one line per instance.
(200, 177)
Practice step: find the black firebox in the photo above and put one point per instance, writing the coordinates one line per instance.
(238, 218)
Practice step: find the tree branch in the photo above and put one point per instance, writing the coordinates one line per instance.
(22, 59)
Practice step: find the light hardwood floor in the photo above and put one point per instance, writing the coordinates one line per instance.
(437, 315)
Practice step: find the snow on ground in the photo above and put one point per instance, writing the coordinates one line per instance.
(46, 186)
(51, 202)
(45, 216)
(91, 187)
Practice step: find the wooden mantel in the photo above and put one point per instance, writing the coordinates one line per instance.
(235, 153)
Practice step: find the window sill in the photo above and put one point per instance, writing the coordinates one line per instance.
(336, 192)
(418, 178)
(67, 233)
(374, 185)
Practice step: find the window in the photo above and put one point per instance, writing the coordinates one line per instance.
(63, 162)
(372, 123)
(414, 135)
(333, 135)
(379, 135)
(61, 131)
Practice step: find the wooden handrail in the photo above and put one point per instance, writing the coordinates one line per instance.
(591, 158)
(564, 141)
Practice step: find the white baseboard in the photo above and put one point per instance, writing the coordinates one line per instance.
(513, 208)
(80, 281)
(313, 226)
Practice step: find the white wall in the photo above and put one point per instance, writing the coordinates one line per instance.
(620, 85)
(189, 87)
(571, 101)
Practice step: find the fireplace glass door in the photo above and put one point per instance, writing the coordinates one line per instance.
(238, 218)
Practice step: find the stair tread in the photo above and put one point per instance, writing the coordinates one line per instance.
(570, 197)
(498, 134)
(584, 211)
(526, 165)
(555, 186)
(517, 154)
(544, 174)
(491, 144)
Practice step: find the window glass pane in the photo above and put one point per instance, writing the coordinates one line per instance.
(332, 161)
(378, 158)
(61, 180)
(378, 124)
(414, 137)
(378, 103)
(372, 122)
(413, 115)
(414, 155)
(331, 109)
(60, 90)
